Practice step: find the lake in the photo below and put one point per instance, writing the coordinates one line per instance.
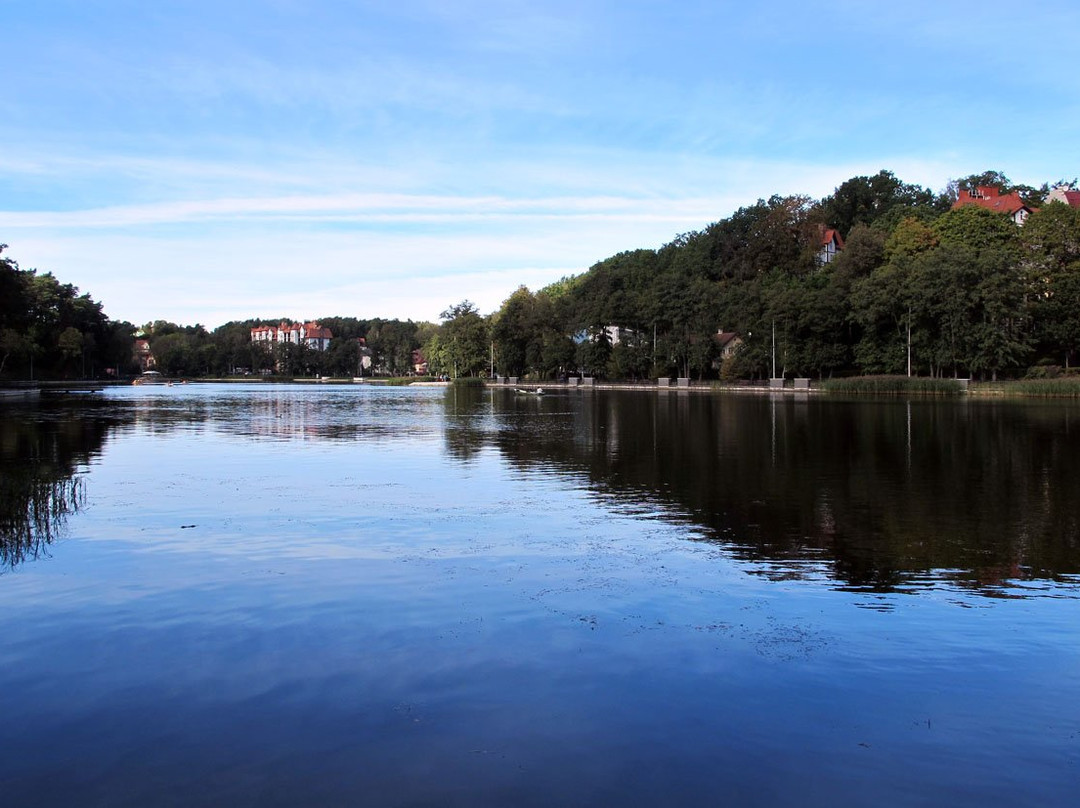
(262, 595)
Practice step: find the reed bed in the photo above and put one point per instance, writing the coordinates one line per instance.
(1043, 388)
(893, 385)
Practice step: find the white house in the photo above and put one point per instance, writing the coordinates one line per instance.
(310, 334)
(989, 197)
(831, 243)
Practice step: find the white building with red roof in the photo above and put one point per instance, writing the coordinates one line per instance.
(143, 356)
(831, 243)
(310, 334)
(989, 197)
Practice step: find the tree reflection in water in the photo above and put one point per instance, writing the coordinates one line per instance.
(41, 484)
(879, 496)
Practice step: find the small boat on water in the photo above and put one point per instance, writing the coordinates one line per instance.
(539, 391)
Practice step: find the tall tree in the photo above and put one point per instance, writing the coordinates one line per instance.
(516, 330)
(1051, 257)
(463, 347)
(864, 200)
(975, 229)
(393, 343)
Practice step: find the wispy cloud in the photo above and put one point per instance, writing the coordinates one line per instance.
(366, 208)
(205, 161)
(234, 275)
(386, 253)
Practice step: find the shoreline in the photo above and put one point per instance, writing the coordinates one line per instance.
(1017, 389)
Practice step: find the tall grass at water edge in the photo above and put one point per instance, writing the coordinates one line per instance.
(1040, 388)
(893, 385)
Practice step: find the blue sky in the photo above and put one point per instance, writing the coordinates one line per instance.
(210, 161)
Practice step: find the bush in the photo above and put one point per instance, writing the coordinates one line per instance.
(1043, 372)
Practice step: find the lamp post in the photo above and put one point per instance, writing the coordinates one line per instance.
(909, 342)
(773, 349)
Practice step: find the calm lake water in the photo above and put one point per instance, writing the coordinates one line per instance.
(287, 595)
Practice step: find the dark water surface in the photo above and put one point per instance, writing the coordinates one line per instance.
(218, 595)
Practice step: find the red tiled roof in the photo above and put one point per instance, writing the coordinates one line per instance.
(990, 198)
(829, 235)
(725, 337)
(310, 330)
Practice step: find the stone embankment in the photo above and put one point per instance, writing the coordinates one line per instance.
(661, 385)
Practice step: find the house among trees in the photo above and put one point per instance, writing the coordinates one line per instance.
(831, 243)
(1065, 194)
(616, 334)
(419, 362)
(143, 357)
(311, 334)
(365, 356)
(728, 342)
(989, 197)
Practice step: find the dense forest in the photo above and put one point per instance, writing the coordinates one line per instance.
(917, 286)
(192, 351)
(48, 329)
(962, 291)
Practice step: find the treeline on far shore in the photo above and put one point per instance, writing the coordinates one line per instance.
(913, 285)
(919, 286)
(49, 330)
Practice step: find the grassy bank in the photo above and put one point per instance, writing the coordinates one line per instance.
(893, 385)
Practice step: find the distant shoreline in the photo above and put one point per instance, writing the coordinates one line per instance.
(1018, 388)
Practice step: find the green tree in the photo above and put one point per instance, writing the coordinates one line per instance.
(910, 238)
(393, 342)
(1059, 315)
(462, 348)
(70, 344)
(13, 345)
(864, 200)
(976, 228)
(1051, 258)
(1001, 338)
(514, 329)
(782, 232)
(37, 311)
(174, 354)
(631, 357)
(344, 357)
(593, 352)
(883, 305)
(182, 350)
